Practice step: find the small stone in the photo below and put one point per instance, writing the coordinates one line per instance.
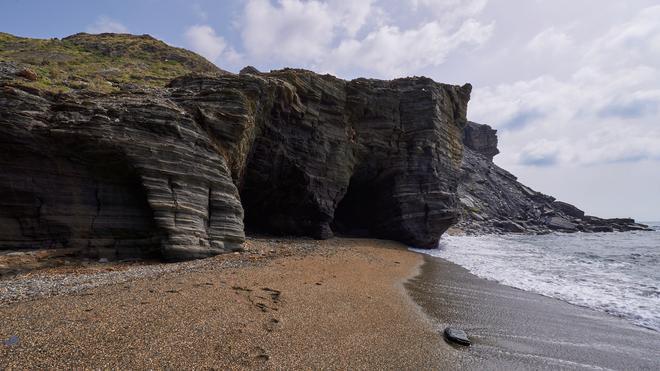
(457, 336)
(103, 260)
(11, 341)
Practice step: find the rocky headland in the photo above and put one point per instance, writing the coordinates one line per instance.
(493, 201)
(120, 146)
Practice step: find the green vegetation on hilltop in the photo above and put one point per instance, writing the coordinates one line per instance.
(99, 63)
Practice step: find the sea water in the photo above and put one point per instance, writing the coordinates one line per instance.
(617, 273)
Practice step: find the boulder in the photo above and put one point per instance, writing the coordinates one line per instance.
(559, 223)
(568, 209)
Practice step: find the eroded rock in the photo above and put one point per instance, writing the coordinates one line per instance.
(170, 172)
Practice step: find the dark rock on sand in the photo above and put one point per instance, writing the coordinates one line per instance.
(170, 171)
(457, 336)
(493, 201)
(13, 340)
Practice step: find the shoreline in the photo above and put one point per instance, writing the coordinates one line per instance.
(512, 328)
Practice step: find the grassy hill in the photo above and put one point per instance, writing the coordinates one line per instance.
(99, 63)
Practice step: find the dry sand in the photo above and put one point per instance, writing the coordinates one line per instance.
(341, 305)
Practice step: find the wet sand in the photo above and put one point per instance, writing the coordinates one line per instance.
(340, 306)
(514, 329)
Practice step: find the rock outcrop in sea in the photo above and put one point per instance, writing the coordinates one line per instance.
(180, 171)
(493, 201)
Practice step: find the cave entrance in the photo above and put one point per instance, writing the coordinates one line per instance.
(356, 213)
(90, 202)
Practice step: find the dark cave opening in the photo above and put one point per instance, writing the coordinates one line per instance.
(356, 213)
(75, 198)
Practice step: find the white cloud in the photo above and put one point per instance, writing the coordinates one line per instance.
(204, 40)
(634, 42)
(353, 15)
(343, 37)
(391, 52)
(105, 24)
(291, 30)
(550, 39)
(606, 111)
(449, 10)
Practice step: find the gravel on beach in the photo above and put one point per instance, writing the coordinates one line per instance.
(76, 278)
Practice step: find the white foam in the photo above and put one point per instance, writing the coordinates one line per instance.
(618, 273)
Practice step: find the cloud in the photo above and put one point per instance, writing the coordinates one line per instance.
(639, 39)
(542, 153)
(521, 119)
(604, 111)
(552, 40)
(291, 30)
(390, 52)
(449, 10)
(353, 15)
(346, 38)
(104, 24)
(636, 106)
(204, 40)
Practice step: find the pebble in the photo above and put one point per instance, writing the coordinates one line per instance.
(457, 336)
(11, 341)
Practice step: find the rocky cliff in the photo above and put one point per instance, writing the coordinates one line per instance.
(120, 165)
(493, 201)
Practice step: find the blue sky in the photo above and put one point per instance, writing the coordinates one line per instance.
(572, 86)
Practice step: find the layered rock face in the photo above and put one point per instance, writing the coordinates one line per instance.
(493, 201)
(314, 155)
(173, 172)
(117, 176)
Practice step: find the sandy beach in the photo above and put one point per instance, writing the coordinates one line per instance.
(338, 304)
(301, 304)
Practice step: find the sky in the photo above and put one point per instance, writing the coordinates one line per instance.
(573, 87)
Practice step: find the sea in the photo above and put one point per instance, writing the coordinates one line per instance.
(617, 273)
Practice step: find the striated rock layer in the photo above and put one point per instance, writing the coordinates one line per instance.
(175, 172)
(493, 201)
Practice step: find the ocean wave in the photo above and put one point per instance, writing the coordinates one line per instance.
(616, 273)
